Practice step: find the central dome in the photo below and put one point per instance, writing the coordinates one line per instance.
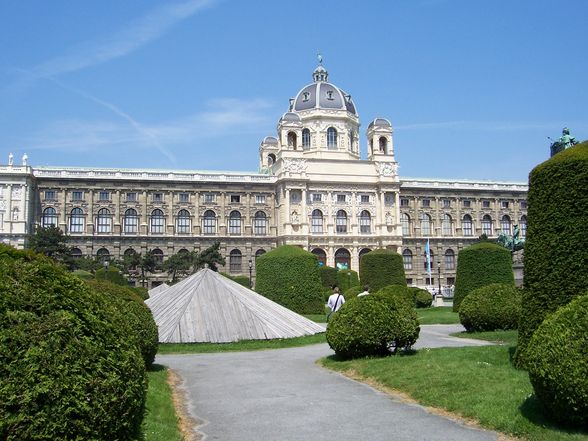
(323, 95)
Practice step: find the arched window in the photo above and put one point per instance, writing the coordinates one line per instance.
(432, 257)
(259, 252)
(157, 222)
(341, 221)
(102, 255)
(76, 221)
(271, 159)
(449, 259)
(305, 139)
(425, 224)
(407, 259)
(235, 222)
(505, 224)
(292, 140)
(209, 222)
(365, 222)
(157, 255)
(487, 225)
(447, 225)
(342, 259)
(362, 252)
(331, 138)
(316, 221)
(260, 224)
(466, 225)
(405, 223)
(130, 221)
(76, 253)
(104, 221)
(320, 255)
(183, 222)
(49, 217)
(523, 226)
(383, 144)
(235, 260)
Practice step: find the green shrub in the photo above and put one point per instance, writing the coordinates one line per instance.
(328, 276)
(141, 292)
(289, 276)
(557, 361)
(67, 371)
(241, 280)
(492, 307)
(134, 314)
(113, 275)
(352, 292)
(346, 279)
(399, 293)
(372, 325)
(82, 274)
(479, 265)
(380, 268)
(557, 239)
(422, 297)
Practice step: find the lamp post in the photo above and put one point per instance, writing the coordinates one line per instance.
(439, 277)
(105, 263)
(250, 272)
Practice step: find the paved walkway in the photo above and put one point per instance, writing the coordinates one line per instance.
(283, 394)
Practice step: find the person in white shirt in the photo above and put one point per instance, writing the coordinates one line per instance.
(336, 300)
(365, 291)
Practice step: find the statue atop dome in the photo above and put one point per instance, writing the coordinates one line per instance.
(564, 142)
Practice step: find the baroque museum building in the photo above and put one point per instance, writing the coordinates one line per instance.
(312, 190)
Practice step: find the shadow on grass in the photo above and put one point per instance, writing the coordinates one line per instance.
(533, 411)
(403, 353)
(156, 368)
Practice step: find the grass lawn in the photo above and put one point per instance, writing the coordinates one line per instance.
(160, 421)
(442, 315)
(244, 345)
(500, 337)
(318, 318)
(477, 383)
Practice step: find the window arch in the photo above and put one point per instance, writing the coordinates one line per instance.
(157, 222)
(305, 139)
(466, 225)
(235, 261)
(130, 221)
(316, 221)
(331, 138)
(209, 222)
(405, 223)
(341, 221)
(383, 143)
(271, 159)
(260, 224)
(447, 225)
(342, 259)
(235, 222)
(487, 225)
(49, 217)
(365, 222)
(523, 226)
(104, 221)
(362, 252)
(259, 252)
(103, 255)
(157, 255)
(183, 222)
(407, 259)
(425, 224)
(76, 253)
(292, 140)
(505, 224)
(320, 255)
(450, 259)
(76, 221)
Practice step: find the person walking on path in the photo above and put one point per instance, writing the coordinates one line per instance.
(335, 301)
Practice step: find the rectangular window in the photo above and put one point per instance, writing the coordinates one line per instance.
(451, 281)
(389, 199)
(404, 202)
(104, 196)
(77, 195)
(209, 197)
(426, 203)
(365, 198)
(523, 205)
(235, 198)
(183, 197)
(467, 203)
(341, 198)
(446, 203)
(260, 199)
(504, 204)
(485, 204)
(131, 197)
(50, 195)
(317, 197)
(157, 197)
(429, 281)
(409, 282)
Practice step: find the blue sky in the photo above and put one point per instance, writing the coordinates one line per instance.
(472, 88)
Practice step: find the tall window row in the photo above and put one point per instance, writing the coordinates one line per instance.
(449, 259)
(317, 222)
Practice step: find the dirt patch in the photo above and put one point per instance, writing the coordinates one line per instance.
(186, 424)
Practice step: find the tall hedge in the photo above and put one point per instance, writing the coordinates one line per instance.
(347, 279)
(328, 276)
(380, 268)
(67, 369)
(289, 275)
(479, 265)
(557, 239)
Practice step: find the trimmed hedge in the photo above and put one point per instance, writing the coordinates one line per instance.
(372, 325)
(479, 265)
(347, 279)
(398, 293)
(492, 307)
(289, 275)
(557, 361)
(328, 276)
(422, 297)
(134, 314)
(241, 280)
(557, 239)
(380, 268)
(113, 275)
(352, 292)
(67, 370)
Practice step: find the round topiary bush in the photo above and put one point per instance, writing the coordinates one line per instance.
(398, 293)
(557, 361)
(557, 239)
(479, 265)
(372, 325)
(496, 306)
(134, 315)
(328, 276)
(380, 268)
(352, 292)
(289, 276)
(422, 297)
(67, 370)
(347, 279)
